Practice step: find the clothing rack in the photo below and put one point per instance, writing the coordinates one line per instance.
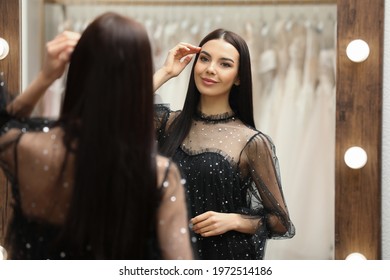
(191, 2)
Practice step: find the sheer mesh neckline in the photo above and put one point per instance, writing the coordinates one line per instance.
(215, 118)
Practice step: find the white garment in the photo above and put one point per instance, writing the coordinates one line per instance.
(287, 126)
(52, 99)
(319, 157)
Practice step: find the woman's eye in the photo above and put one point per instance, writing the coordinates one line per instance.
(203, 58)
(224, 64)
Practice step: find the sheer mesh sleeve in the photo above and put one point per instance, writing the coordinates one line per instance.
(8, 136)
(4, 100)
(7, 146)
(11, 131)
(267, 195)
(173, 227)
(162, 119)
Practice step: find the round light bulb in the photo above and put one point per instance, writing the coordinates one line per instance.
(358, 50)
(3, 253)
(355, 256)
(4, 48)
(355, 157)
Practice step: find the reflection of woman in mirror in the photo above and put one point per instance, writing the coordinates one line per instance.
(89, 186)
(232, 172)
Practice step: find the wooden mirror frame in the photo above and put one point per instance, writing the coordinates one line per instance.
(358, 119)
(359, 123)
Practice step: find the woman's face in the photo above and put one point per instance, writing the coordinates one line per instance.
(216, 69)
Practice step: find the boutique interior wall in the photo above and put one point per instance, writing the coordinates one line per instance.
(386, 140)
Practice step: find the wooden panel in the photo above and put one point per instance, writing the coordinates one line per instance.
(192, 2)
(9, 30)
(10, 71)
(358, 123)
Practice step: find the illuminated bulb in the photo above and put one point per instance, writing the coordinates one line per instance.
(4, 48)
(3, 254)
(358, 50)
(355, 157)
(355, 256)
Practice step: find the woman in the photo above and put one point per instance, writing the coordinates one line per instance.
(231, 169)
(90, 185)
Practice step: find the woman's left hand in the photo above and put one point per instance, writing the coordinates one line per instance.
(213, 223)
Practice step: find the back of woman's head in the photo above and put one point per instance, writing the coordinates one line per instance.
(110, 72)
(107, 116)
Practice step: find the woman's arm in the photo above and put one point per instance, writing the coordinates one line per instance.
(213, 223)
(172, 224)
(57, 56)
(178, 58)
(263, 167)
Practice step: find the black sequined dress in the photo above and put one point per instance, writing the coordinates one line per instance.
(32, 154)
(231, 168)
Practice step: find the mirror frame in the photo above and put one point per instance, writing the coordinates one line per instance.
(359, 123)
(9, 72)
(358, 118)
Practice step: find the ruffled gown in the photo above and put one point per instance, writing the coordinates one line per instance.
(230, 168)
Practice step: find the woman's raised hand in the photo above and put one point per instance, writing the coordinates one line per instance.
(58, 53)
(178, 58)
(56, 59)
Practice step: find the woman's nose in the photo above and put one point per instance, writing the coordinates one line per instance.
(210, 69)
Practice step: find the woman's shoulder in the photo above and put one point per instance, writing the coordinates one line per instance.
(31, 146)
(165, 164)
(38, 140)
(40, 146)
(251, 133)
(162, 163)
(261, 136)
(165, 110)
(258, 138)
(17, 137)
(167, 171)
(164, 116)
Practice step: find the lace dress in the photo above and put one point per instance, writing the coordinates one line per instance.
(31, 156)
(230, 168)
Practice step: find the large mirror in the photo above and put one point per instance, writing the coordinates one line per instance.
(293, 53)
(298, 80)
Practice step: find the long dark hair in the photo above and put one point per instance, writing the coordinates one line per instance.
(240, 97)
(107, 116)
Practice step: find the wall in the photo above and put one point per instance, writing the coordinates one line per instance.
(31, 56)
(386, 141)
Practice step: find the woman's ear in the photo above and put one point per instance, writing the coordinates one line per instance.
(237, 82)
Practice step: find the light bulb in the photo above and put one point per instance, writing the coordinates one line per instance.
(355, 157)
(358, 50)
(355, 256)
(4, 48)
(3, 253)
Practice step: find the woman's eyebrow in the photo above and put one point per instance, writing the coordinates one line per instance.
(206, 53)
(222, 58)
